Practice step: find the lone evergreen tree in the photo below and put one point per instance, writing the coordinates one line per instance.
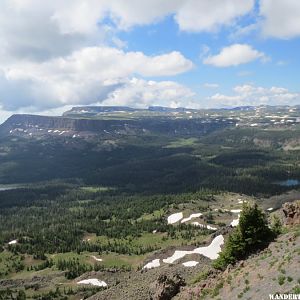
(252, 233)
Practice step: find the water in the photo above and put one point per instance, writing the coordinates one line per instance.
(289, 182)
(7, 187)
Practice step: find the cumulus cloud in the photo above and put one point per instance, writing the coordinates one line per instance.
(209, 15)
(42, 29)
(85, 76)
(280, 18)
(234, 55)
(142, 93)
(252, 95)
(55, 53)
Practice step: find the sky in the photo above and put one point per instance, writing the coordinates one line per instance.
(55, 54)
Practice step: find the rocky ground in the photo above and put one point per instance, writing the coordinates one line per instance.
(274, 270)
(148, 284)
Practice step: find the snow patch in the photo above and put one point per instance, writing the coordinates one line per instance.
(13, 242)
(270, 208)
(236, 211)
(97, 259)
(212, 251)
(191, 263)
(204, 226)
(240, 201)
(155, 263)
(235, 222)
(93, 281)
(192, 216)
(175, 218)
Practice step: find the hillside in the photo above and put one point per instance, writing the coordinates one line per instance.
(272, 271)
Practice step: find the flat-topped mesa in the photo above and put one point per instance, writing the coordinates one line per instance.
(91, 111)
(35, 125)
(95, 110)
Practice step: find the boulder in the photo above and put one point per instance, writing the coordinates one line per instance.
(291, 212)
(165, 287)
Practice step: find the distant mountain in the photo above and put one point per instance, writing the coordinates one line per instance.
(100, 110)
(94, 110)
(34, 125)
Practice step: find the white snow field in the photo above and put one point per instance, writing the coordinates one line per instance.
(212, 251)
(191, 263)
(174, 218)
(13, 242)
(93, 281)
(204, 226)
(152, 264)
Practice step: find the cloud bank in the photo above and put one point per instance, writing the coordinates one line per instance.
(253, 95)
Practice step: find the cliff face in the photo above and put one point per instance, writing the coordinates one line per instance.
(40, 125)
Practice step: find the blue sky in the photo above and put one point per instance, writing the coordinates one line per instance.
(196, 53)
(282, 67)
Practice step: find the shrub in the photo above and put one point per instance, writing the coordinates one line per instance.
(281, 279)
(276, 225)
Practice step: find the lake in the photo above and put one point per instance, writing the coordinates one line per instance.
(6, 187)
(289, 182)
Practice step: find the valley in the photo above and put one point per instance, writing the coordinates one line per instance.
(101, 202)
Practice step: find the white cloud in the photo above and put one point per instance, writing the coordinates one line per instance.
(85, 76)
(55, 53)
(42, 29)
(143, 93)
(234, 55)
(209, 15)
(280, 18)
(252, 95)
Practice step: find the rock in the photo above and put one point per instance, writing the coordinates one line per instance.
(228, 269)
(241, 264)
(291, 212)
(165, 288)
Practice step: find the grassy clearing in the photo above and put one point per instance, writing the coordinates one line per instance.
(157, 240)
(190, 142)
(155, 215)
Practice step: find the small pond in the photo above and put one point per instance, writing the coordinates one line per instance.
(289, 182)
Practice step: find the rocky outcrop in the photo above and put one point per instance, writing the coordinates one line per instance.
(291, 212)
(165, 288)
